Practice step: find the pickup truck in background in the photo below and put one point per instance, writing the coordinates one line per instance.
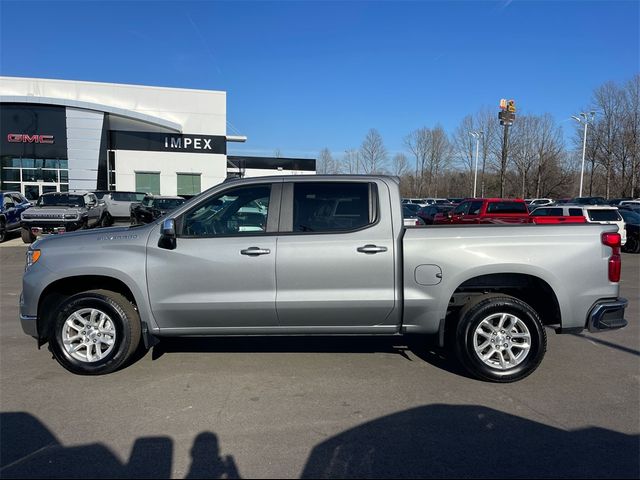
(486, 210)
(320, 255)
(61, 212)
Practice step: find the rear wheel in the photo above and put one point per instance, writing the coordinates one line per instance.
(106, 220)
(3, 231)
(500, 338)
(95, 332)
(27, 236)
(632, 245)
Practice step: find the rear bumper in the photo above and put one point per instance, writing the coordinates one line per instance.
(607, 315)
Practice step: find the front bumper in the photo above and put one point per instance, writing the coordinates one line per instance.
(40, 228)
(607, 315)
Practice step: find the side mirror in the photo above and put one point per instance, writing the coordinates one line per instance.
(168, 234)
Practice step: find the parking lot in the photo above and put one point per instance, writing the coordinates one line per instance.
(318, 407)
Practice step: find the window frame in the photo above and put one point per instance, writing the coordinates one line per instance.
(285, 226)
(272, 213)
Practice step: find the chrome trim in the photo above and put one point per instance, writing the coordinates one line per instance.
(596, 322)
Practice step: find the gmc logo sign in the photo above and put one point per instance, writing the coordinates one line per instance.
(26, 138)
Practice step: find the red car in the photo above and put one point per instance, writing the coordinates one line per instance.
(486, 210)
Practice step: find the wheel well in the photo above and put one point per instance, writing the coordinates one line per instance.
(528, 288)
(58, 291)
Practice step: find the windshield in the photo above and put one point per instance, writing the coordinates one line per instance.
(61, 200)
(167, 203)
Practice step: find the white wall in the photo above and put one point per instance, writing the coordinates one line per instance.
(198, 111)
(84, 131)
(212, 167)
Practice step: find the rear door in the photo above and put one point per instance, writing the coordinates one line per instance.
(335, 264)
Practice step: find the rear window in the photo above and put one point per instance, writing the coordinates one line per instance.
(604, 215)
(507, 207)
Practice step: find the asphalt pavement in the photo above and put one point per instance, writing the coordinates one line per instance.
(318, 407)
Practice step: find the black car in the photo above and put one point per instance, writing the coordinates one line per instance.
(632, 226)
(152, 207)
(430, 211)
(616, 201)
(589, 201)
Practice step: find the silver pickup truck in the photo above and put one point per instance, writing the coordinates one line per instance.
(319, 255)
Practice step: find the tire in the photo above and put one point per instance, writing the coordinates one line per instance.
(478, 332)
(632, 245)
(119, 322)
(27, 236)
(3, 230)
(106, 220)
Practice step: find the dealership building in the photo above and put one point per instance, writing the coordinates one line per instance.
(60, 135)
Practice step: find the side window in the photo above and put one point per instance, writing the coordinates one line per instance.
(462, 209)
(328, 207)
(7, 201)
(575, 212)
(475, 207)
(238, 211)
(555, 212)
(17, 198)
(540, 212)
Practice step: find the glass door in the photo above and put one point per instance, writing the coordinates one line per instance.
(33, 190)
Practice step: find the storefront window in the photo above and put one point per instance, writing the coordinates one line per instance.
(188, 183)
(37, 175)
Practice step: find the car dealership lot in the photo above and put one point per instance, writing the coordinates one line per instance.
(318, 407)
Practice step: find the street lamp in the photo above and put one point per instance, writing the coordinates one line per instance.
(476, 135)
(584, 118)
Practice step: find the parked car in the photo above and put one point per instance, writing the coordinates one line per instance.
(617, 201)
(632, 227)
(429, 213)
(411, 219)
(487, 293)
(603, 214)
(422, 202)
(118, 204)
(60, 212)
(635, 203)
(557, 215)
(455, 200)
(588, 201)
(538, 202)
(152, 207)
(487, 210)
(13, 204)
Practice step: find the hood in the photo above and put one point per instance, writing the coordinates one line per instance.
(84, 238)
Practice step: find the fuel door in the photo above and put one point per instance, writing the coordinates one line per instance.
(428, 274)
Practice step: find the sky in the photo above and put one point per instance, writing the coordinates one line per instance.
(302, 76)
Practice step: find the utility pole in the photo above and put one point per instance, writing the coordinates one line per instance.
(506, 116)
(585, 120)
(477, 136)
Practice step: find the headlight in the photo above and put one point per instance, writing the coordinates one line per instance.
(32, 257)
(70, 215)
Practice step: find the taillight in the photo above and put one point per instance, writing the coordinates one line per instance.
(614, 241)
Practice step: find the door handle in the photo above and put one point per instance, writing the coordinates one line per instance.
(255, 251)
(372, 249)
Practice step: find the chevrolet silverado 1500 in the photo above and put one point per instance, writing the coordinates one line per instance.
(319, 255)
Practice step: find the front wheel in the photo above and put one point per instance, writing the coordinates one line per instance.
(3, 231)
(27, 236)
(500, 338)
(95, 332)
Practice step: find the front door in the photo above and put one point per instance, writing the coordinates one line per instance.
(221, 277)
(335, 268)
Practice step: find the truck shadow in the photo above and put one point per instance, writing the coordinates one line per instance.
(456, 441)
(424, 347)
(29, 450)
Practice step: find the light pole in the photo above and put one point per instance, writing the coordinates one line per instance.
(477, 136)
(584, 118)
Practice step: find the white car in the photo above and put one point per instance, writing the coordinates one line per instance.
(538, 202)
(604, 214)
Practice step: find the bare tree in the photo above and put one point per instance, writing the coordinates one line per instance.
(373, 153)
(400, 164)
(351, 161)
(326, 163)
(417, 142)
(464, 147)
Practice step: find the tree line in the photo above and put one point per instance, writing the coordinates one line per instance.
(539, 163)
